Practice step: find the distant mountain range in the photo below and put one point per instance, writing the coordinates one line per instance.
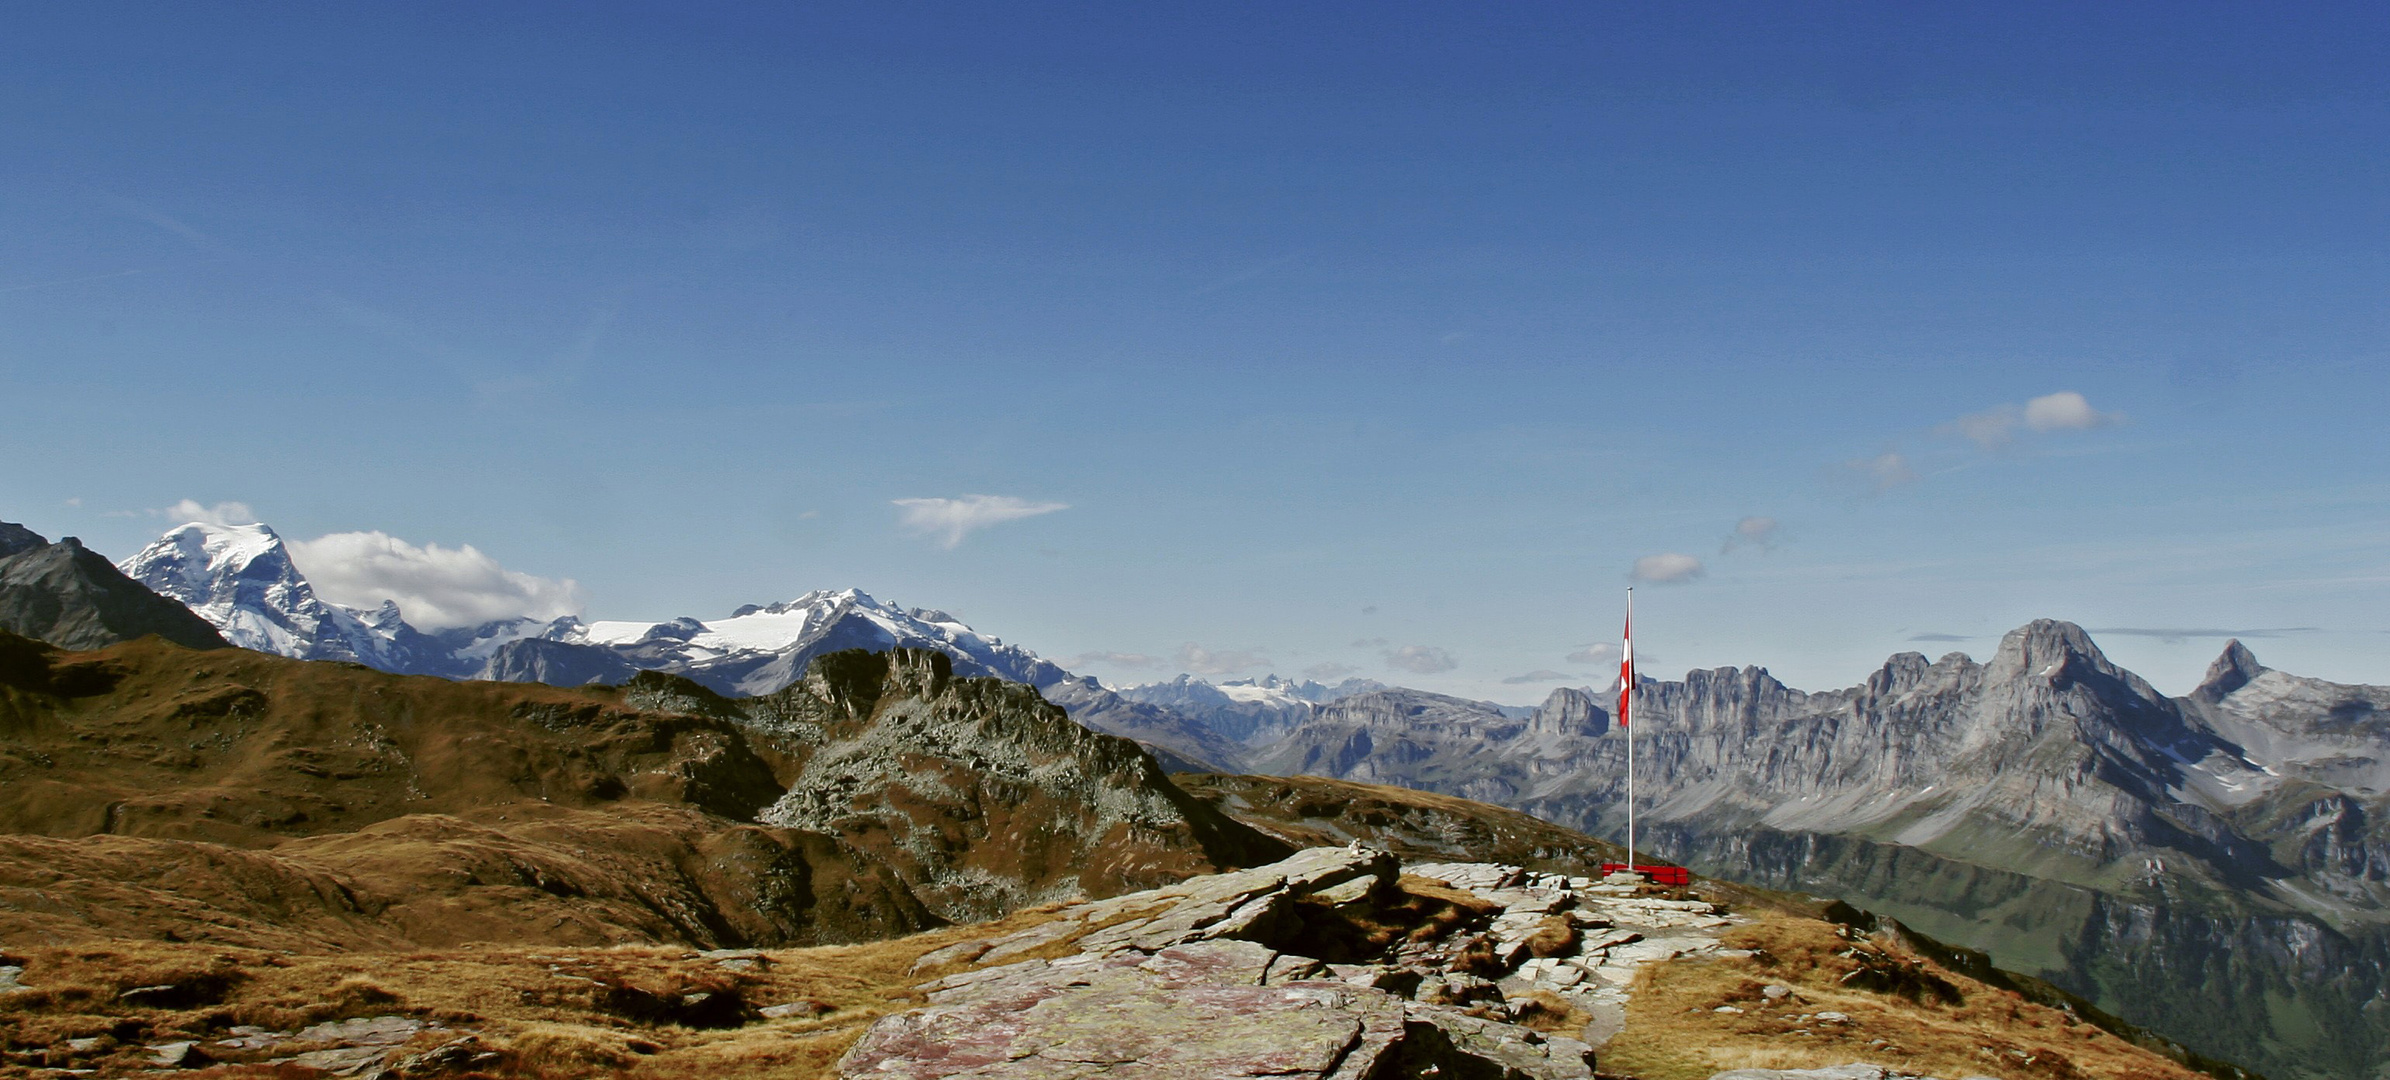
(1249, 711)
(241, 579)
(2044, 804)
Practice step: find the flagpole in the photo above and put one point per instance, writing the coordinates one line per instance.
(1626, 693)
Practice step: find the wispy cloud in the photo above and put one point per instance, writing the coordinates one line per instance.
(1111, 659)
(2173, 635)
(1941, 637)
(1667, 568)
(1754, 531)
(1197, 660)
(950, 520)
(1421, 659)
(2067, 411)
(1883, 472)
(1602, 654)
(1535, 677)
(435, 587)
(1329, 672)
(1999, 426)
(223, 513)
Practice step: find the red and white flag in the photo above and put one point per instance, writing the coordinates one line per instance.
(1626, 669)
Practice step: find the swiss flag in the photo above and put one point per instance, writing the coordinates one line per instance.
(1626, 669)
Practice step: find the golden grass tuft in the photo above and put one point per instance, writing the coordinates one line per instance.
(556, 1012)
(1674, 1032)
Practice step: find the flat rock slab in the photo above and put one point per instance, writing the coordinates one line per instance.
(1853, 1071)
(1122, 1024)
(345, 1061)
(1033, 938)
(373, 1031)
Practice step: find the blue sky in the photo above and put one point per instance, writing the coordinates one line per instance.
(1371, 338)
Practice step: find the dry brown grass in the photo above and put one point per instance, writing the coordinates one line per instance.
(555, 1013)
(1674, 1032)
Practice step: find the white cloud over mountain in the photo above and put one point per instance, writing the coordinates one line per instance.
(435, 587)
(223, 513)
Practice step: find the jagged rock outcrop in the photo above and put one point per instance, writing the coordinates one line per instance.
(986, 796)
(66, 595)
(1569, 711)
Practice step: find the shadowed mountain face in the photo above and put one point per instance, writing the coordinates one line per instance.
(238, 797)
(64, 594)
(2166, 856)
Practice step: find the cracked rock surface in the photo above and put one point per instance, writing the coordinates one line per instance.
(1210, 978)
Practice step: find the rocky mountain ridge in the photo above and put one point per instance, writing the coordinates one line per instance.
(240, 579)
(2045, 803)
(68, 595)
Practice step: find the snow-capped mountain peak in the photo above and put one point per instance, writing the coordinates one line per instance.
(757, 649)
(241, 579)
